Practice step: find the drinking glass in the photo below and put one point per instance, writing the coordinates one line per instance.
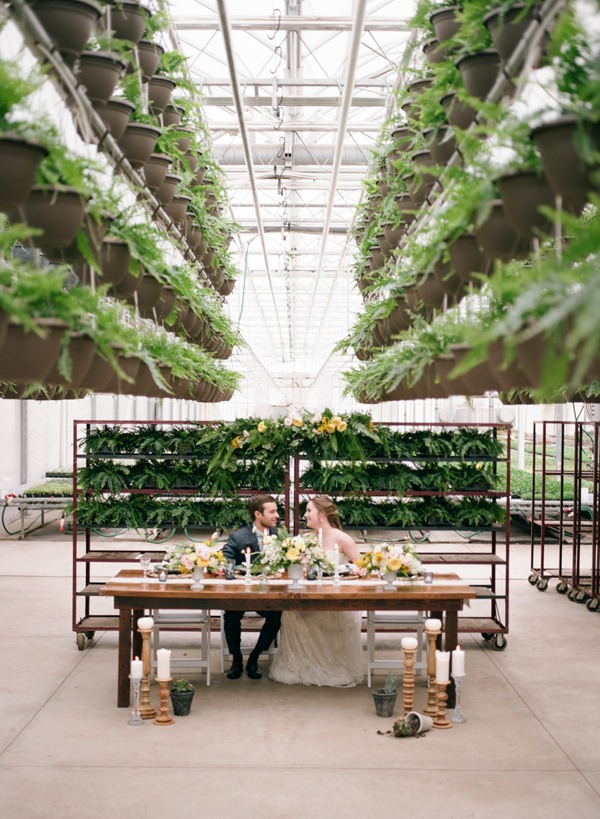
(145, 564)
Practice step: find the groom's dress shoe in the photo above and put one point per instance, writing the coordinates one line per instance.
(252, 670)
(236, 670)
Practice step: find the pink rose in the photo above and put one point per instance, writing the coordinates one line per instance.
(317, 418)
(245, 433)
(288, 421)
(186, 562)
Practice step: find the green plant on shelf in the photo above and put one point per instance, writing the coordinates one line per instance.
(104, 475)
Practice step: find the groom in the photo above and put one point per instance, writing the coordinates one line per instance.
(263, 511)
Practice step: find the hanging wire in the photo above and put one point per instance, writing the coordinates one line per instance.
(244, 286)
(276, 32)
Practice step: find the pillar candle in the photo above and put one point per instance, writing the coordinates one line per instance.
(410, 643)
(145, 622)
(137, 669)
(248, 559)
(433, 625)
(442, 666)
(458, 661)
(321, 538)
(163, 664)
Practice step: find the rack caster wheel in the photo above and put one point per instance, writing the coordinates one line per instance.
(593, 604)
(80, 638)
(580, 597)
(499, 642)
(542, 584)
(562, 588)
(532, 579)
(90, 635)
(571, 594)
(486, 636)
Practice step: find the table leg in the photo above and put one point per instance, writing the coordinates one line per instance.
(123, 686)
(451, 641)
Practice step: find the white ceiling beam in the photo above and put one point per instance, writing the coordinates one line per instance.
(251, 101)
(239, 107)
(316, 127)
(289, 23)
(333, 82)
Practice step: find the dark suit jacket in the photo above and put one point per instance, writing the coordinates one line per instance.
(239, 541)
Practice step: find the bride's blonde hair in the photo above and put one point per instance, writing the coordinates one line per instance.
(325, 506)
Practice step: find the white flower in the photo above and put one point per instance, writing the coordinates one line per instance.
(288, 421)
(317, 418)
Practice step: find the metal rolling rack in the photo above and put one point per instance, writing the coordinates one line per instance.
(574, 534)
(495, 589)
(86, 623)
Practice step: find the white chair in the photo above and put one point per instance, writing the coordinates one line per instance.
(380, 620)
(251, 615)
(177, 620)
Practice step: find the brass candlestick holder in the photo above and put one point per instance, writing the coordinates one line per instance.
(431, 708)
(147, 711)
(408, 682)
(440, 720)
(164, 718)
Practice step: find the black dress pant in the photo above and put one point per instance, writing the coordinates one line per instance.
(232, 623)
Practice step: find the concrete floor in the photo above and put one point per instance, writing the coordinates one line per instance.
(255, 749)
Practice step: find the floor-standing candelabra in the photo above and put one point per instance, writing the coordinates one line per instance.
(147, 711)
(457, 718)
(431, 708)
(409, 649)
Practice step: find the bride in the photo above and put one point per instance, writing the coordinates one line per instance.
(322, 647)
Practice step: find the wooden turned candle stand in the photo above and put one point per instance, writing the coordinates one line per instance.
(431, 708)
(164, 718)
(147, 711)
(440, 720)
(408, 682)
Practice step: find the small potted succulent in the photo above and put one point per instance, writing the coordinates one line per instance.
(385, 698)
(412, 725)
(182, 694)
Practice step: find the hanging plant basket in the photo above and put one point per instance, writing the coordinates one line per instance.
(4, 322)
(177, 207)
(81, 350)
(149, 54)
(165, 304)
(166, 192)
(434, 52)
(26, 357)
(449, 281)
(468, 259)
(508, 26)
(192, 160)
(155, 170)
(479, 71)
(172, 115)
(199, 175)
(137, 143)
(115, 260)
(99, 73)
(98, 375)
(460, 114)
(441, 143)
(68, 23)
(57, 212)
(568, 174)
(148, 294)
(159, 93)
(478, 379)
(226, 289)
(184, 138)
(19, 163)
(444, 365)
(94, 233)
(115, 115)
(523, 194)
(509, 376)
(194, 236)
(430, 291)
(116, 384)
(419, 188)
(127, 20)
(497, 237)
(445, 23)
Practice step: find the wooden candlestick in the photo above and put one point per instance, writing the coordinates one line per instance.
(440, 720)
(164, 717)
(146, 709)
(408, 682)
(431, 708)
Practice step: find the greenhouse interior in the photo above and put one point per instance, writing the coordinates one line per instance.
(299, 408)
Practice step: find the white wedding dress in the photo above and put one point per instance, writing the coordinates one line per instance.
(319, 648)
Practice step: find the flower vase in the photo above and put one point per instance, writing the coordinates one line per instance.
(295, 574)
(389, 578)
(198, 576)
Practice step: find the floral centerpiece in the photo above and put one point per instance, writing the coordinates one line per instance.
(282, 550)
(401, 560)
(184, 557)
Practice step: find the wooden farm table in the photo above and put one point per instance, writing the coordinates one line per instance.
(132, 595)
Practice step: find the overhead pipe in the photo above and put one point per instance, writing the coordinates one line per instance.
(356, 37)
(239, 107)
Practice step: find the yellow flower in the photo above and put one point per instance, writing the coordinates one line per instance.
(378, 558)
(236, 443)
(371, 426)
(330, 428)
(342, 426)
(336, 420)
(219, 556)
(262, 426)
(479, 465)
(292, 554)
(296, 422)
(394, 565)
(359, 562)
